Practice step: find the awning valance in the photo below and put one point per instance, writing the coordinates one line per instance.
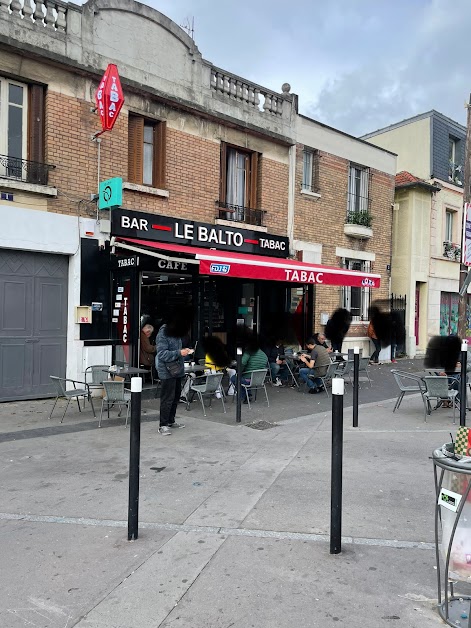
(228, 264)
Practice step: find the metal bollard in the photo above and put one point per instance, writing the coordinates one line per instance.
(463, 382)
(356, 370)
(238, 386)
(338, 389)
(134, 457)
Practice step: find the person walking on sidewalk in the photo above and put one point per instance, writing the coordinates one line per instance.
(371, 333)
(170, 367)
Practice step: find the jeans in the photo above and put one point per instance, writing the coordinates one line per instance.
(278, 370)
(304, 375)
(169, 397)
(375, 355)
(244, 380)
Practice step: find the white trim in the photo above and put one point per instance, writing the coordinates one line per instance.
(22, 186)
(361, 255)
(237, 225)
(308, 193)
(145, 189)
(140, 250)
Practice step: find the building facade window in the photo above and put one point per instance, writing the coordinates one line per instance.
(455, 168)
(310, 181)
(22, 115)
(358, 190)
(239, 185)
(357, 300)
(449, 216)
(146, 151)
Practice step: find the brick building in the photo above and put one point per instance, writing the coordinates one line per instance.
(209, 162)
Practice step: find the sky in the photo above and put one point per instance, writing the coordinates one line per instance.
(356, 65)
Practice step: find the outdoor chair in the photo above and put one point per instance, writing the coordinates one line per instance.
(436, 387)
(115, 395)
(95, 374)
(407, 382)
(329, 375)
(206, 386)
(344, 369)
(363, 367)
(256, 381)
(73, 393)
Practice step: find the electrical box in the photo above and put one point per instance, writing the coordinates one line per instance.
(83, 314)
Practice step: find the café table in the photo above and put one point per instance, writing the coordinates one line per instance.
(127, 372)
(289, 363)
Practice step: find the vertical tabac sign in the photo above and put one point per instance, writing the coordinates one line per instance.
(466, 244)
(109, 98)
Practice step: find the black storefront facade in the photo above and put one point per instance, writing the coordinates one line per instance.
(230, 276)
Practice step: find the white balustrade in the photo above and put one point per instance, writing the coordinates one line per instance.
(237, 89)
(41, 12)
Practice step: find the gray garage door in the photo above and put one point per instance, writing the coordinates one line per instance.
(33, 323)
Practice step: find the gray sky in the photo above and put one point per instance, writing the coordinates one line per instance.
(356, 65)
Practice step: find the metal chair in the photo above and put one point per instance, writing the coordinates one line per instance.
(256, 382)
(206, 386)
(407, 382)
(363, 365)
(328, 376)
(74, 393)
(94, 376)
(436, 387)
(115, 394)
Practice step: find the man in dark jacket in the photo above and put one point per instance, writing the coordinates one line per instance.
(170, 368)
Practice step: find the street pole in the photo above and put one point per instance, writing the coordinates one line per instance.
(356, 383)
(238, 386)
(462, 303)
(134, 457)
(338, 389)
(463, 383)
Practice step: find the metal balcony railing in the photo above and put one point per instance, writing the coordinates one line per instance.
(238, 213)
(452, 251)
(24, 170)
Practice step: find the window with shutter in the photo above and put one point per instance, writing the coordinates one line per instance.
(147, 151)
(238, 190)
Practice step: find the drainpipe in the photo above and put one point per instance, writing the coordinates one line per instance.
(291, 195)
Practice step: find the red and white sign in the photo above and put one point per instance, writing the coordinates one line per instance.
(228, 264)
(109, 97)
(466, 257)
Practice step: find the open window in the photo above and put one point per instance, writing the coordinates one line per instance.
(146, 151)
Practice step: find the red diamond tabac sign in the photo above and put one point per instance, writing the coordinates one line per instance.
(109, 97)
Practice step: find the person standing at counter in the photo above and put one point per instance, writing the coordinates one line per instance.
(170, 367)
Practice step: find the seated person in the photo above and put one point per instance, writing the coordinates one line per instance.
(147, 350)
(316, 363)
(253, 359)
(279, 372)
(216, 357)
(320, 340)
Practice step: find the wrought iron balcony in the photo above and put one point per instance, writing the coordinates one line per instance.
(452, 251)
(24, 170)
(238, 213)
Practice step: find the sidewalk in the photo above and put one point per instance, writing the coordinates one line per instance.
(234, 522)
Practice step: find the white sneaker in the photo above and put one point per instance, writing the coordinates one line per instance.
(165, 430)
(277, 382)
(217, 394)
(231, 390)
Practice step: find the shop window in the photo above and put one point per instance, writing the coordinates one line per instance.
(448, 313)
(357, 300)
(22, 131)
(146, 152)
(238, 187)
(310, 171)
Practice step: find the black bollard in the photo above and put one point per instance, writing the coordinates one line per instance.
(463, 382)
(238, 386)
(338, 387)
(356, 370)
(134, 457)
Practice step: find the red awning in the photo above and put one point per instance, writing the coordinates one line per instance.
(229, 264)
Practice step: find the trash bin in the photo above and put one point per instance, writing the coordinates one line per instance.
(453, 534)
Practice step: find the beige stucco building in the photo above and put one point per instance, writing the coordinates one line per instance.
(427, 222)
